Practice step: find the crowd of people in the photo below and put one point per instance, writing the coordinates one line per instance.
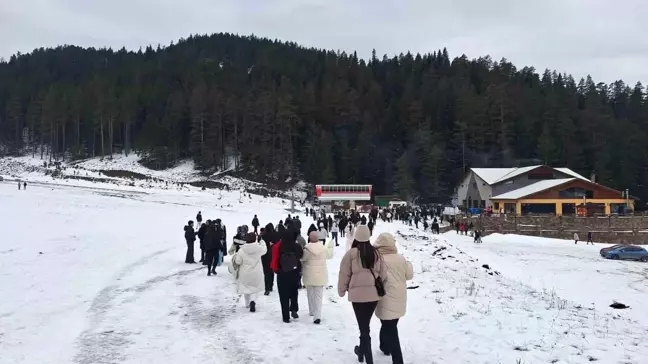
(373, 276)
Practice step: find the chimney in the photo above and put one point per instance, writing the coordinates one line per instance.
(593, 177)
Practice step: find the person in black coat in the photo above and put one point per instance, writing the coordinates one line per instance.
(297, 224)
(213, 245)
(343, 224)
(363, 220)
(311, 229)
(288, 280)
(269, 237)
(190, 237)
(199, 219)
(255, 224)
(201, 235)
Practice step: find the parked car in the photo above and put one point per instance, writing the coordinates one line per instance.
(628, 253)
(604, 251)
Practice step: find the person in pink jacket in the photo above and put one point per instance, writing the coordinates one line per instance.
(358, 268)
(397, 271)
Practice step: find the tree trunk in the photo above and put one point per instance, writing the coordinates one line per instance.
(110, 135)
(101, 132)
(63, 146)
(127, 137)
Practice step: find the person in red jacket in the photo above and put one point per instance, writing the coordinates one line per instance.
(286, 255)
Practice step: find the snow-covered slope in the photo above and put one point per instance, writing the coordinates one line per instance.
(94, 275)
(126, 173)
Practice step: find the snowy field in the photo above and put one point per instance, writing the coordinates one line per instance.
(95, 274)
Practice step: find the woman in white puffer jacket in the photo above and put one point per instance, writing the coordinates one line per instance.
(315, 274)
(396, 271)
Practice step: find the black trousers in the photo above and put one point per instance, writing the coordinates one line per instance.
(268, 274)
(256, 228)
(343, 232)
(389, 341)
(190, 252)
(363, 313)
(288, 286)
(211, 257)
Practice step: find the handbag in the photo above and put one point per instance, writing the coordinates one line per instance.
(380, 287)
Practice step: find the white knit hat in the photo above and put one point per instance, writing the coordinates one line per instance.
(362, 234)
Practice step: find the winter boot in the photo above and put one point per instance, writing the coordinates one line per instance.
(366, 350)
(267, 293)
(317, 322)
(294, 315)
(358, 352)
(252, 306)
(214, 271)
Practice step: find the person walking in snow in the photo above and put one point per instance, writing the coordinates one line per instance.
(199, 219)
(190, 237)
(360, 269)
(370, 225)
(25, 186)
(286, 255)
(323, 233)
(311, 229)
(255, 224)
(425, 225)
(315, 275)
(297, 224)
(238, 240)
(589, 238)
(576, 238)
(269, 237)
(416, 220)
(250, 270)
(18, 185)
(201, 236)
(350, 237)
(213, 247)
(393, 305)
(334, 233)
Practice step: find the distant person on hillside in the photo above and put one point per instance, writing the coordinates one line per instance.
(18, 185)
(589, 238)
(199, 219)
(190, 237)
(255, 224)
(576, 238)
(25, 186)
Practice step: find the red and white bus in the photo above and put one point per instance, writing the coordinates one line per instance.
(343, 192)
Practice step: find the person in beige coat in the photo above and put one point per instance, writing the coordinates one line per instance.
(358, 268)
(315, 274)
(397, 270)
(249, 278)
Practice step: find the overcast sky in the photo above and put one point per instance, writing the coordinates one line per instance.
(605, 38)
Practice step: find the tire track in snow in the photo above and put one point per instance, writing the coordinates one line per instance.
(96, 346)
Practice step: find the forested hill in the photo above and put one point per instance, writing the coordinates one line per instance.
(408, 124)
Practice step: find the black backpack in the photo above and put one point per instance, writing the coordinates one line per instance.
(288, 262)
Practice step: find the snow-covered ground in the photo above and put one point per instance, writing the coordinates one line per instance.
(93, 272)
(96, 275)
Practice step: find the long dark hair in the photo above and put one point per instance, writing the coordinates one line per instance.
(288, 241)
(367, 253)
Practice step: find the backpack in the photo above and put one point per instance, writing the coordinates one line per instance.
(288, 262)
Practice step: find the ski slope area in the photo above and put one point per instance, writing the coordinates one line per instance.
(92, 275)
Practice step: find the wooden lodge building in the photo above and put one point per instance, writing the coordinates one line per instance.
(539, 190)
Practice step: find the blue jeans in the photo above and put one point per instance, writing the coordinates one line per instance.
(335, 236)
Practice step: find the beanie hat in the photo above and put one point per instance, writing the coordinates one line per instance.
(250, 238)
(313, 236)
(362, 234)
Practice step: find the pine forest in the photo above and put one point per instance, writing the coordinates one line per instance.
(278, 112)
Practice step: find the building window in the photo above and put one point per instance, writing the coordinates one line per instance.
(576, 192)
(482, 204)
(496, 205)
(508, 182)
(463, 203)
